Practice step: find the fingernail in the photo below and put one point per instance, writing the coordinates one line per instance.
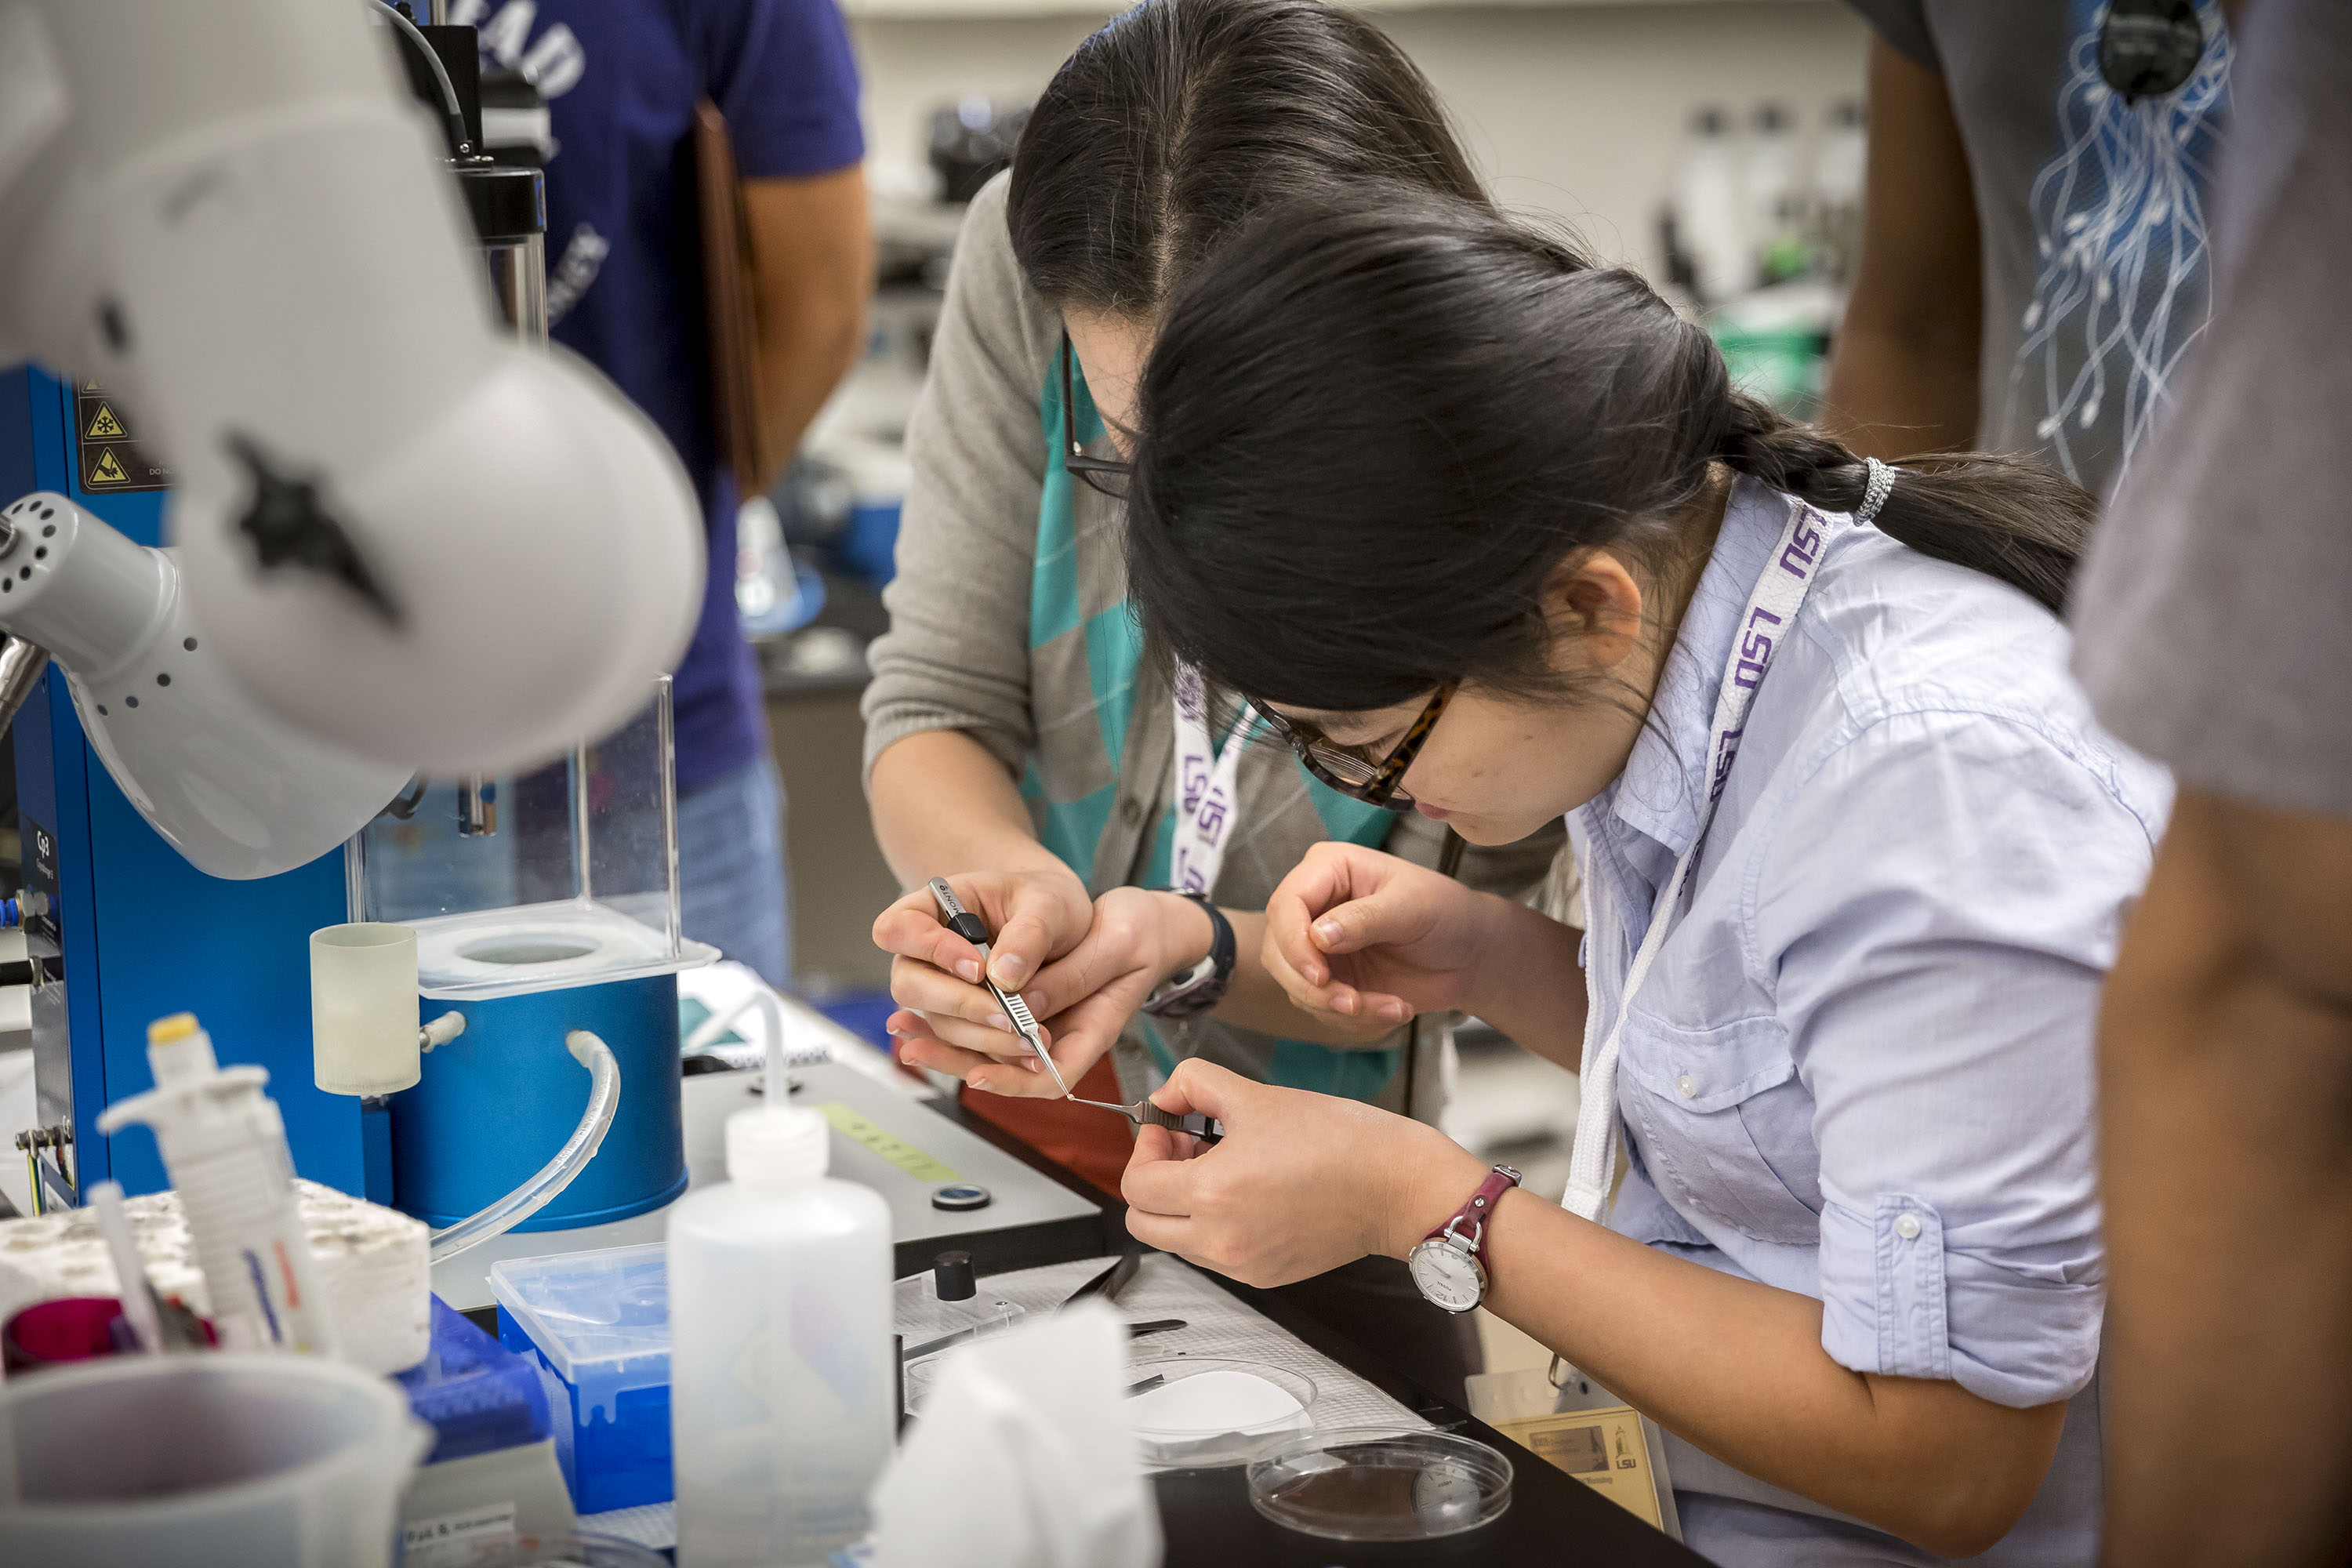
(1003, 1023)
(1012, 972)
(1393, 1012)
(970, 969)
(1315, 974)
(1344, 1003)
(1327, 929)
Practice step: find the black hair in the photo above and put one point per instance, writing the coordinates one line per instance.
(1374, 424)
(1180, 118)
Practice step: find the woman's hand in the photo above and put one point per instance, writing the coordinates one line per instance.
(1083, 998)
(1356, 935)
(1300, 1183)
(1037, 915)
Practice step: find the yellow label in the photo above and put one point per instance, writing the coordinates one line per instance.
(887, 1144)
(104, 425)
(107, 472)
(1602, 1448)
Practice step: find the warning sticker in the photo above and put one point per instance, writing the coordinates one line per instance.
(112, 458)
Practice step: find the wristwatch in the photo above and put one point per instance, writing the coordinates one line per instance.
(1201, 987)
(1445, 1263)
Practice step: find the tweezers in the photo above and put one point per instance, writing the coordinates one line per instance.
(967, 925)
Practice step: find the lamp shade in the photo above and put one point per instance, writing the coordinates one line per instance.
(237, 790)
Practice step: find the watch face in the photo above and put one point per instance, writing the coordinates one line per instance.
(1448, 1276)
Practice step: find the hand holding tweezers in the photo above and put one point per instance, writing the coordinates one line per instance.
(967, 925)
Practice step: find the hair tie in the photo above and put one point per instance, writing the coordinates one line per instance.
(1875, 493)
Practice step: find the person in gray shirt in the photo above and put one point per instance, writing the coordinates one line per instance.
(2033, 258)
(1020, 740)
(2214, 632)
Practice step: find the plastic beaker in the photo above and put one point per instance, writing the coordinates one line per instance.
(363, 1008)
(268, 1461)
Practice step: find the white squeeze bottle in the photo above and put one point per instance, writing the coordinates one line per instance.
(781, 1404)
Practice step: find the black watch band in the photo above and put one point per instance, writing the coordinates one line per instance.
(1201, 987)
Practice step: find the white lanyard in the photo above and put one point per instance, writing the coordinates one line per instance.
(1207, 786)
(1771, 611)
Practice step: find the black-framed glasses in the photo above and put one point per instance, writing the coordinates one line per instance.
(2148, 48)
(1347, 770)
(1105, 475)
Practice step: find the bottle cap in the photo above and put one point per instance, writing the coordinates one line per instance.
(178, 1051)
(952, 1277)
(777, 1145)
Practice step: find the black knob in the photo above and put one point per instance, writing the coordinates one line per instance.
(952, 1277)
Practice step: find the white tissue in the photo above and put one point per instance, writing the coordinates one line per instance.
(372, 1266)
(1022, 1457)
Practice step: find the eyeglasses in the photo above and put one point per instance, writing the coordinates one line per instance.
(1347, 770)
(2148, 48)
(1105, 476)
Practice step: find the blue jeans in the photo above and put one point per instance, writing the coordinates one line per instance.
(730, 869)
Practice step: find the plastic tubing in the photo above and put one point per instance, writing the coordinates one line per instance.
(603, 1099)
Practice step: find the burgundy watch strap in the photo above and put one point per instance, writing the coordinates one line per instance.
(1469, 1221)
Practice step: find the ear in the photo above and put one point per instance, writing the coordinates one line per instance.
(1593, 604)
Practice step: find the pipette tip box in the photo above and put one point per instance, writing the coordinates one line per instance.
(598, 1325)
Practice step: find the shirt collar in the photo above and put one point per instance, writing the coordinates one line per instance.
(1663, 788)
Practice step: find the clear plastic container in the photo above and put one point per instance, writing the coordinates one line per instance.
(565, 875)
(946, 1304)
(1377, 1483)
(263, 1459)
(599, 1323)
(1198, 1412)
(363, 1008)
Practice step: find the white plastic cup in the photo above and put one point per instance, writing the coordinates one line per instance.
(268, 1461)
(363, 1008)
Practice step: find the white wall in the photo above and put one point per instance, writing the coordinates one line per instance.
(1576, 112)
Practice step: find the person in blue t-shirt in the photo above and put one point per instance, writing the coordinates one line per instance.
(624, 289)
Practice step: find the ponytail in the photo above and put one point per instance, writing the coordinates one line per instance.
(2010, 518)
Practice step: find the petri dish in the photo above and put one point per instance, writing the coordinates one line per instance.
(1205, 1412)
(1379, 1483)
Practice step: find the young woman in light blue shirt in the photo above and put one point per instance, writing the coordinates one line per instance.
(1484, 532)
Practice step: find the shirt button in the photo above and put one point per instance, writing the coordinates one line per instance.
(1688, 1085)
(1908, 1228)
(1131, 811)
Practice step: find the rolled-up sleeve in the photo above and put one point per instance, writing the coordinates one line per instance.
(1938, 976)
(957, 654)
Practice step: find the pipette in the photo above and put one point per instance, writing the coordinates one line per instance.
(138, 1296)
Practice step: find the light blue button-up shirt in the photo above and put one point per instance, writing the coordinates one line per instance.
(1862, 1065)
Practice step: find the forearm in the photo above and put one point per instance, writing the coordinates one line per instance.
(2226, 1147)
(1736, 1368)
(942, 803)
(813, 278)
(802, 357)
(1895, 392)
(1529, 983)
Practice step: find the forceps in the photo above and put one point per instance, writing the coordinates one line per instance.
(967, 925)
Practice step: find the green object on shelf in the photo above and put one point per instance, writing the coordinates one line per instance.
(1783, 367)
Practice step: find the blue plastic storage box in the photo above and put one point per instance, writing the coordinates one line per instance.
(478, 1396)
(598, 1325)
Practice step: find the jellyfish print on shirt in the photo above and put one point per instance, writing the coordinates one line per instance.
(2119, 291)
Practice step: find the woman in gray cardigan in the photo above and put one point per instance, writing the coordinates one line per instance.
(1020, 741)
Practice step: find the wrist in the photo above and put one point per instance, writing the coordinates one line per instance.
(1426, 1188)
(1186, 933)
